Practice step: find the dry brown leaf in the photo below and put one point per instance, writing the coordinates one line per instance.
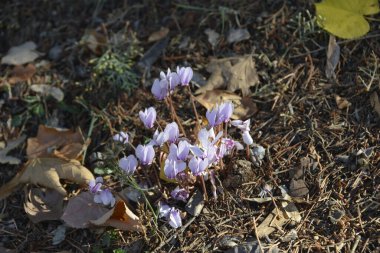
(342, 103)
(43, 204)
(21, 73)
(375, 102)
(158, 35)
(95, 41)
(81, 209)
(47, 172)
(298, 188)
(4, 158)
(276, 219)
(333, 55)
(231, 73)
(120, 217)
(55, 142)
(244, 107)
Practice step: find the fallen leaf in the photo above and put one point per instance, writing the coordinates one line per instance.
(298, 188)
(47, 172)
(345, 18)
(21, 54)
(81, 209)
(55, 142)
(21, 73)
(152, 55)
(120, 217)
(95, 41)
(48, 90)
(59, 235)
(375, 102)
(333, 55)
(342, 103)
(4, 158)
(237, 35)
(232, 73)
(243, 107)
(43, 204)
(212, 37)
(195, 204)
(158, 35)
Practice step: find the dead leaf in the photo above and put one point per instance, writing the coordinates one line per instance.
(21, 54)
(298, 188)
(55, 142)
(4, 158)
(48, 90)
(231, 73)
(81, 209)
(195, 204)
(21, 73)
(342, 103)
(243, 107)
(47, 172)
(158, 35)
(237, 35)
(120, 217)
(333, 55)
(212, 36)
(43, 204)
(375, 102)
(95, 41)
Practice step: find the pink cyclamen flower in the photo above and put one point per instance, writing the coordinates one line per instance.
(172, 79)
(163, 210)
(244, 126)
(95, 185)
(105, 197)
(159, 138)
(145, 153)
(198, 165)
(179, 152)
(185, 75)
(128, 164)
(160, 89)
(148, 117)
(121, 137)
(221, 113)
(180, 194)
(175, 218)
(173, 167)
(172, 132)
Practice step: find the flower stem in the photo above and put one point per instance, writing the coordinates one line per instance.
(195, 110)
(175, 116)
(203, 187)
(248, 153)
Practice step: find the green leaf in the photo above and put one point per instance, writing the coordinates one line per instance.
(345, 18)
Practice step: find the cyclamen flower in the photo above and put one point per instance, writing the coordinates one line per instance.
(179, 152)
(105, 197)
(160, 89)
(180, 194)
(185, 75)
(128, 164)
(172, 79)
(244, 126)
(121, 137)
(145, 153)
(266, 190)
(170, 214)
(173, 167)
(219, 114)
(175, 218)
(198, 165)
(148, 117)
(172, 131)
(95, 185)
(159, 138)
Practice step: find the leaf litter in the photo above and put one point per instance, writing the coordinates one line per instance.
(12, 144)
(21, 54)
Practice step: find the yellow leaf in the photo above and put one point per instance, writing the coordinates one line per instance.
(345, 18)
